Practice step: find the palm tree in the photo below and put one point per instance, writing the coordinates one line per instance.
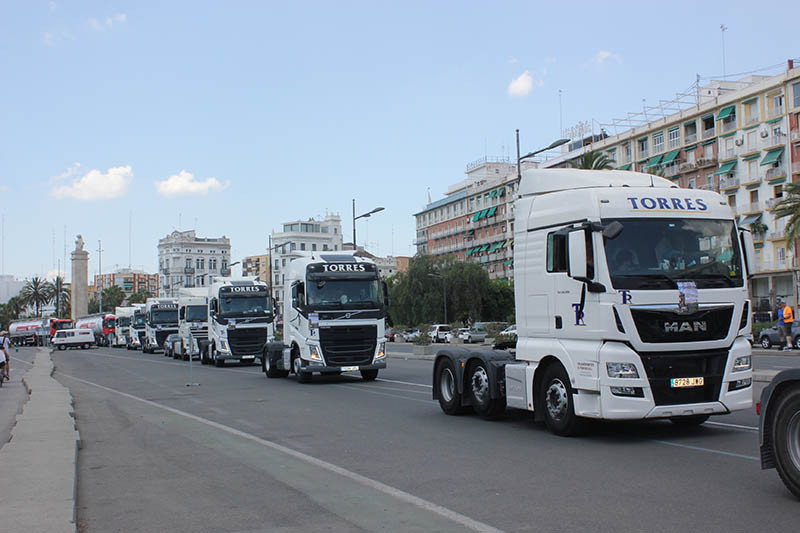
(593, 161)
(789, 207)
(36, 292)
(15, 306)
(61, 294)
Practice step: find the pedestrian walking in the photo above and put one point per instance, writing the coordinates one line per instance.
(5, 355)
(787, 316)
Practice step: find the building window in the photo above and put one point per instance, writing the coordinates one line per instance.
(690, 132)
(708, 151)
(752, 169)
(674, 138)
(780, 253)
(324, 247)
(313, 247)
(693, 183)
(627, 151)
(690, 158)
(302, 246)
(732, 200)
(751, 112)
(658, 142)
(292, 247)
(778, 191)
(752, 140)
(643, 147)
(188, 262)
(796, 94)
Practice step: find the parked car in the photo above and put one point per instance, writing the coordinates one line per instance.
(170, 343)
(438, 332)
(779, 411)
(389, 334)
(73, 338)
(510, 330)
(769, 337)
(471, 335)
(410, 334)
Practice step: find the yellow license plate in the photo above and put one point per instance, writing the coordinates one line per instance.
(677, 383)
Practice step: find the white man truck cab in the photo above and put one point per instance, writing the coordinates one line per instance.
(137, 328)
(121, 326)
(333, 318)
(240, 320)
(631, 303)
(161, 320)
(192, 322)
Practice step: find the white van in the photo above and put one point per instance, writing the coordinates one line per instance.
(73, 338)
(439, 333)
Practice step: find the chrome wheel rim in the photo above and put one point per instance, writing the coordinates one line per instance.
(764, 343)
(447, 385)
(480, 385)
(793, 439)
(296, 365)
(266, 364)
(556, 399)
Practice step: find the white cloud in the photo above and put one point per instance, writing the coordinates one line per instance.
(47, 38)
(52, 274)
(94, 185)
(523, 84)
(604, 55)
(70, 172)
(99, 25)
(512, 60)
(184, 184)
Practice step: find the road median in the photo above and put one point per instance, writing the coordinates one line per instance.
(39, 462)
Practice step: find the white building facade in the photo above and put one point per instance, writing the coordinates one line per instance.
(186, 260)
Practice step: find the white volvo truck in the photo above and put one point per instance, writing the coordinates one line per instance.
(137, 329)
(240, 320)
(122, 326)
(333, 318)
(192, 322)
(161, 319)
(631, 303)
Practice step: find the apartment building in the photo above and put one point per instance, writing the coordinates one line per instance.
(130, 281)
(186, 260)
(256, 265)
(475, 220)
(309, 235)
(739, 138)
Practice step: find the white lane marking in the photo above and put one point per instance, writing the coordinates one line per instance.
(709, 450)
(171, 363)
(401, 495)
(22, 361)
(732, 426)
(405, 383)
(394, 389)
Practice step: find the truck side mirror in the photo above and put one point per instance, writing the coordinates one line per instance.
(385, 294)
(576, 246)
(748, 250)
(182, 313)
(212, 305)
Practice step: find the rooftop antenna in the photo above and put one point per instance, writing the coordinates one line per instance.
(130, 239)
(560, 114)
(722, 28)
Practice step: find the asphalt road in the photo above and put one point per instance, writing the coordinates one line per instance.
(240, 452)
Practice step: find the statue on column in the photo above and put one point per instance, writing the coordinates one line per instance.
(79, 244)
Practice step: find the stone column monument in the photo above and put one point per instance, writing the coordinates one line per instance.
(80, 280)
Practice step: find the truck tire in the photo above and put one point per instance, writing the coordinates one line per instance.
(447, 388)
(297, 363)
(219, 363)
(786, 439)
(85, 346)
(765, 342)
(559, 410)
(270, 370)
(369, 375)
(480, 393)
(61, 347)
(204, 355)
(688, 421)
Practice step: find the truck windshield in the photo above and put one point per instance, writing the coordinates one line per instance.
(656, 253)
(138, 320)
(109, 323)
(124, 321)
(363, 293)
(245, 306)
(163, 316)
(60, 325)
(196, 313)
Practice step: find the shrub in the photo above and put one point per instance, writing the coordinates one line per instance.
(758, 327)
(505, 341)
(423, 339)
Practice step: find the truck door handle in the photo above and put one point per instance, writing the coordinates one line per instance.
(558, 322)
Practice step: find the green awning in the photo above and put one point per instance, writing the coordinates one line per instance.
(709, 115)
(654, 162)
(749, 219)
(772, 156)
(754, 186)
(484, 248)
(493, 194)
(754, 126)
(491, 212)
(774, 120)
(495, 246)
(468, 253)
(690, 123)
(508, 262)
(749, 157)
(673, 128)
(726, 168)
(777, 182)
(625, 167)
(709, 142)
(670, 157)
(750, 100)
(502, 192)
(477, 216)
(726, 112)
(727, 134)
(688, 148)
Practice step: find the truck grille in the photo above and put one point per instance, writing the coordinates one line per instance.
(247, 341)
(663, 366)
(200, 334)
(668, 326)
(161, 336)
(348, 345)
(142, 334)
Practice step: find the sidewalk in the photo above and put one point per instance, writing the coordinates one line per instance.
(38, 483)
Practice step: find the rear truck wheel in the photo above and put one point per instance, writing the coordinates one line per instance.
(480, 393)
(786, 440)
(369, 375)
(204, 355)
(797, 342)
(559, 410)
(85, 346)
(447, 388)
(689, 421)
(271, 371)
(61, 346)
(215, 357)
(297, 364)
(765, 342)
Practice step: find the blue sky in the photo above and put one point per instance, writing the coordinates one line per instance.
(251, 114)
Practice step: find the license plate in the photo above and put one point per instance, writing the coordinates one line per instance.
(677, 383)
(349, 368)
(248, 357)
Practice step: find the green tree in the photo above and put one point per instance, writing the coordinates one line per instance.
(112, 297)
(139, 297)
(36, 292)
(789, 207)
(593, 161)
(94, 306)
(61, 295)
(499, 301)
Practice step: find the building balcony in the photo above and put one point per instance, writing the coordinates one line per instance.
(706, 162)
(749, 209)
(773, 140)
(188, 270)
(772, 266)
(795, 167)
(672, 170)
(687, 166)
(728, 125)
(774, 111)
(776, 235)
(728, 153)
(751, 120)
(706, 187)
(690, 138)
(795, 135)
(775, 173)
(707, 134)
(751, 180)
(772, 202)
(728, 183)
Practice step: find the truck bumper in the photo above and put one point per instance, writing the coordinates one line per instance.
(310, 369)
(231, 358)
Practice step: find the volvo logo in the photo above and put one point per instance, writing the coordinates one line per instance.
(686, 327)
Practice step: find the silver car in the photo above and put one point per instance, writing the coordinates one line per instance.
(473, 335)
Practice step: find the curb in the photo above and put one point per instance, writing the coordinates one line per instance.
(39, 481)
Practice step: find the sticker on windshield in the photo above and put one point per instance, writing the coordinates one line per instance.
(313, 320)
(687, 296)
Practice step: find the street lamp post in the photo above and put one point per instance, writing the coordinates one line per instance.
(553, 144)
(365, 215)
(444, 290)
(100, 277)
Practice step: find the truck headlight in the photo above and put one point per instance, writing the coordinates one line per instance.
(621, 370)
(740, 364)
(314, 353)
(381, 351)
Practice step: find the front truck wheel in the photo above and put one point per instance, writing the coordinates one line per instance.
(447, 388)
(297, 364)
(369, 375)
(480, 393)
(559, 408)
(270, 370)
(786, 440)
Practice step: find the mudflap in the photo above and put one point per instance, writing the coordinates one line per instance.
(494, 363)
